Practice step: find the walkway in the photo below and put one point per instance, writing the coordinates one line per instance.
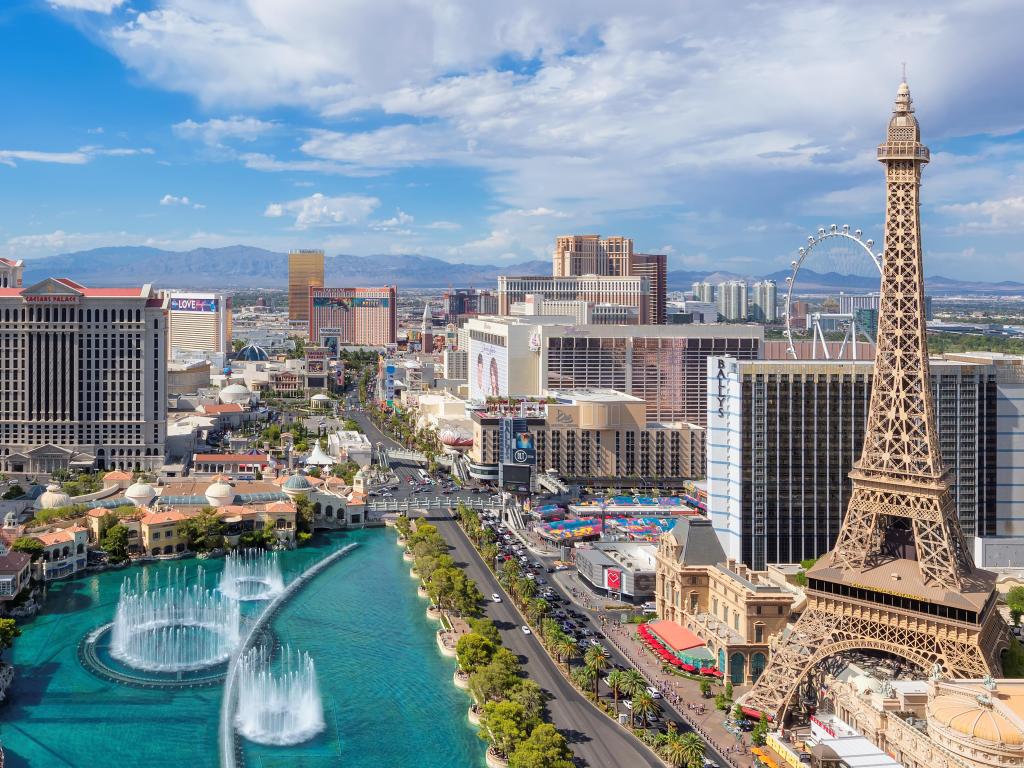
(230, 752)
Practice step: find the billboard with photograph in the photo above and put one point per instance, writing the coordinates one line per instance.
(488, 370)
(518, 444)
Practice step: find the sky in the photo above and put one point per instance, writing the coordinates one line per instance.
(719, 133)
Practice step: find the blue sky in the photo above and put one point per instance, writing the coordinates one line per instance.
(719, 133)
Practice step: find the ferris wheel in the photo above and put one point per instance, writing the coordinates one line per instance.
(829, 253)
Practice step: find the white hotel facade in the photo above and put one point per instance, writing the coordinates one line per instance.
(82, 378)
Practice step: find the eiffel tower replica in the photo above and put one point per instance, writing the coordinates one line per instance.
(901, 579)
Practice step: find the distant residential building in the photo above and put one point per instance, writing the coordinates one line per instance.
(85, 381)
(783, 437)
(653, 266)
(11, 273)
(456, 364)
(732, 301)
(366, 316)
(198, 324)
(460, 304)
(703, 292)
(764, 305)
(799, 311)
(305, 271)
(664, 365)
(632, 292)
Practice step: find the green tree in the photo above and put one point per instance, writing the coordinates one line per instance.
(530, 695)
(115, 543)
(14, 492)
(260, 538)
(303, 515)
(596, 658)
(705, 688)
(473, 652)
(680, 750)
(643, 706)
(9, 630)
(728, 690)
(505, 725)
(545, 748)
(737, 713)
(30, 546)
(567, 650)
(485, 628)
(585, 678)
(694, 747)
(537, 609)
(760, 733)
(203, 531)
(1015, 601)
(633, 682)
(494, 681)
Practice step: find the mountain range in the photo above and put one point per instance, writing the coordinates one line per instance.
(243, 266)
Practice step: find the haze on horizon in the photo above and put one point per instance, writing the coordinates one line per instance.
(720, 135)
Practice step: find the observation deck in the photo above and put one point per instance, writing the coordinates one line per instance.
(903, 150)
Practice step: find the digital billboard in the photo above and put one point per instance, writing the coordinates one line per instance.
(515, 478)
(192, 304)
(517, 443)
(347, 302)
(613, 579)
(488, 370)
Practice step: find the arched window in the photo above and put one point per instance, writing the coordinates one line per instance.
(737, 664)
(757, 665)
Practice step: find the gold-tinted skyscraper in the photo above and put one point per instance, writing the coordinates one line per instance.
(305, 271)
(901, 579)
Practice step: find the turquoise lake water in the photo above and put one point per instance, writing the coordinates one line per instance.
(388, 697)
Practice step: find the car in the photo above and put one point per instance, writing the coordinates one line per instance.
(595, 642)
(496, 597)
(526, 630)
(655, 693)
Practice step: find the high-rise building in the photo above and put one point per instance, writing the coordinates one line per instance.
(901, 579)
(703, 292)
(578, 255)
(459, 304)
(198, 324)
(784, 436)
(628, 292)
(11, 272)
(764, 305)
(732, 301)
(85, 378)
(305, 271)
(592, 255)
(353, 316)
(664, 365)
(653, 266)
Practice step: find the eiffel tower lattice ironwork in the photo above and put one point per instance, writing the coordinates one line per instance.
(900, 578)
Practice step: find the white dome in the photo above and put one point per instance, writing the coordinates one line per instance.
(220, 494)
(53, 498)
(235, 393)
(140, 493)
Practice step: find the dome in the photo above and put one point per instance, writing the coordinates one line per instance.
(297, 482)
(973, 719)
(252, 353)
(140, 493)
(52, 498)
(235, 393)
(320, 397)
(219, 494)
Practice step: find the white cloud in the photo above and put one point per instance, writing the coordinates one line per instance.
(318, 210)
(215, 131)
(183, 200)
(988, 216)
(444, 225)
(79, 156)
(398, 223)
(98, 6)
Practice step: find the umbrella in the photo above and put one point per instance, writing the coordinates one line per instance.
(687, 667)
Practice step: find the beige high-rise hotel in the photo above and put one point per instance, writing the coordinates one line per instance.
(305, 271)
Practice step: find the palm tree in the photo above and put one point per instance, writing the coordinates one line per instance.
(643, 704)
(693, 747)
(586, 678)
(567, 650)
(596, 658)
(616, 681)
(633, 682)
(537, 609)
(672, 748)
(526, 588)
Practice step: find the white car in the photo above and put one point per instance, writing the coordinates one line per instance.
(526, 630)
(496, 597)
(655, 693)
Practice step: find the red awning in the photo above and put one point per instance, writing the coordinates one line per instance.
(710, 671)
(687, 667)
(754, 713)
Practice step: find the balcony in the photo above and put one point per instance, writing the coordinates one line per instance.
(904, 150)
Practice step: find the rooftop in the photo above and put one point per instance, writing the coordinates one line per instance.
(585, 395)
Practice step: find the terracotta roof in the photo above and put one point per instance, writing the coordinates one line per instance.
(117, 474)
(170, 516)
(281, 506)
(232, 458)
(56, 537)
(222, 408)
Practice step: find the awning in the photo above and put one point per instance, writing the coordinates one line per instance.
(754, 713)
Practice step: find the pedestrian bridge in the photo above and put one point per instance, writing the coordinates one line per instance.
(430, 502)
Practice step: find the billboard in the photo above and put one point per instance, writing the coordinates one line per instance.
(193, 304)
(518, 445)
(348, 302)
(488, 370)
(613, 579)
(515, 478)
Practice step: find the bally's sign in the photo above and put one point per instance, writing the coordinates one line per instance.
(723, 383)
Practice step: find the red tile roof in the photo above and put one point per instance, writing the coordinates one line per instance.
(170, 516)
(213, 410)
(232, 458)
(676, 636)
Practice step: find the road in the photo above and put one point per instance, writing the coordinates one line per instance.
(595, 740)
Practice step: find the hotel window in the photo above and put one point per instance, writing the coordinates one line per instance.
(759, 633)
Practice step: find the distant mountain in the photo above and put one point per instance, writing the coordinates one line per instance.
(242, 266)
